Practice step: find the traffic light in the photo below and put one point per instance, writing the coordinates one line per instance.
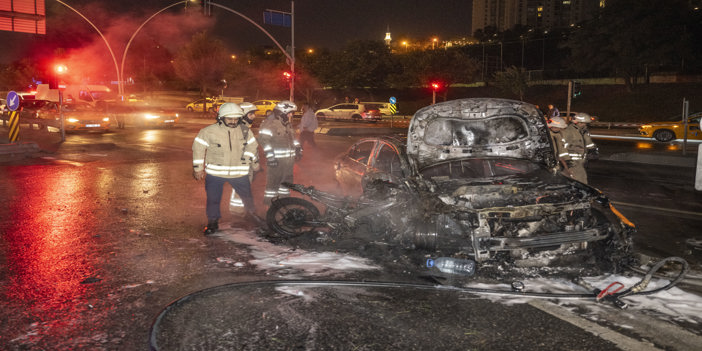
(287, 75)
(435, 86)
(577, 89)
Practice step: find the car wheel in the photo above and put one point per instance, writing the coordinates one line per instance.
(190, 109)
(292, 216)
(356, 118)
(664, 135)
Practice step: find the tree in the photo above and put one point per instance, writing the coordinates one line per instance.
(448, 67)
(202, 62)
(513, 79)
(361, 64)
(629, 35)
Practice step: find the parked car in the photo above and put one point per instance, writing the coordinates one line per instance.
(383, 107)
(212, 105)
(481, 180)
(673, 129)
(142, 116)
(349, 111)
(264, 106)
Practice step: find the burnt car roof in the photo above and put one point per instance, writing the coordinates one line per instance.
(479, 127)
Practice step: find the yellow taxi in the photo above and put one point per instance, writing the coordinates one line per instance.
(674, 129)
(264, 106)
(212, 105)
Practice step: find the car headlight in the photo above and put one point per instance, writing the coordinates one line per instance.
(150, 116)
(645, 126)
(106, 119)
(72, 120)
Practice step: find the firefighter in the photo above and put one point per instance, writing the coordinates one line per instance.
(577, 152)
(277, 138)
(556, 125)
(580, 121)
(249, 109)
(221, 154)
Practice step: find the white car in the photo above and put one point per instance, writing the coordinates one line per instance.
(349, 111)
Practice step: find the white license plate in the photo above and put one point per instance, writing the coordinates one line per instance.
(92, 125)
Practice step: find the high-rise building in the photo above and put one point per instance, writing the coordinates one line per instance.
(537, 14)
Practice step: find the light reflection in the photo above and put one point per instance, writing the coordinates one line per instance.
(642, 145)
(48, 252)
(673, 147)
(150, 135)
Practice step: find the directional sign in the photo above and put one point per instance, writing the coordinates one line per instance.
(393, 100)
(13, 101)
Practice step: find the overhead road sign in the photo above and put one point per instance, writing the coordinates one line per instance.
(277, 18)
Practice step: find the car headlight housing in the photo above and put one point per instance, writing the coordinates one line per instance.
(72, 120)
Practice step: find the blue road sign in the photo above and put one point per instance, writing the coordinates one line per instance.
(277, 18)
(13, 101)
(393, 100)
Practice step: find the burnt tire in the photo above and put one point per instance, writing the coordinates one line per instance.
(664, 135)
(290, 216)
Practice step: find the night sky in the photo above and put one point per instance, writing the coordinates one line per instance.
(318, 23)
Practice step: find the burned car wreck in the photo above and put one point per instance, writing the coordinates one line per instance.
(482, 183)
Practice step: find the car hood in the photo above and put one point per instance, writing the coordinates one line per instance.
(479, 127)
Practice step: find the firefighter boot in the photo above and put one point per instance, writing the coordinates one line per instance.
(212, 227)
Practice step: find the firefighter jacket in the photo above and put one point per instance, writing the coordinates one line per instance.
(582, 128)
(574, 143)
(278, 139)
(224, 152)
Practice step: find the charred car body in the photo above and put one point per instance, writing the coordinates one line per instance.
(483, 183)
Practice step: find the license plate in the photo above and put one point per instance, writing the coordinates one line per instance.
(169, 121)
(92, 125)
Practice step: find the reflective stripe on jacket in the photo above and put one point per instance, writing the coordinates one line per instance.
(278, 140)
(222, 151)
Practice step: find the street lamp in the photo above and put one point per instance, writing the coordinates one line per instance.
(433, 43)
(405, 44)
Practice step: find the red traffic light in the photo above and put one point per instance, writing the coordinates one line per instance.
(287, 75)
(435, 85)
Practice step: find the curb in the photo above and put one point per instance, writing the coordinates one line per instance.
(18, 150)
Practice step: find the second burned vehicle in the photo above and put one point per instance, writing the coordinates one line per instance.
(479, 181)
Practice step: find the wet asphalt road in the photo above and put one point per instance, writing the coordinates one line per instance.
(101, 233)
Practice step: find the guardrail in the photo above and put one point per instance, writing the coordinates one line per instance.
(33, 123)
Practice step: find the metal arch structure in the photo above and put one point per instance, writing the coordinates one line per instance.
(119, 68)
(120, 72)
(290, 56)
(109, 48)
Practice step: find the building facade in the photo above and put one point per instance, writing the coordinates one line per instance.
(543, 15)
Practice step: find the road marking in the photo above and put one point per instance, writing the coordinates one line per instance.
(623, 342)
(617, 203)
